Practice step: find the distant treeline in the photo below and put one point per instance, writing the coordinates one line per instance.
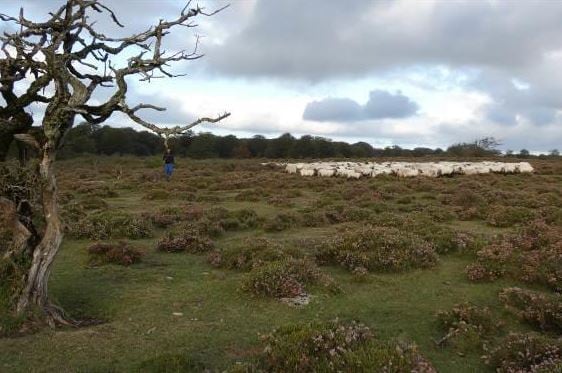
(92, 139)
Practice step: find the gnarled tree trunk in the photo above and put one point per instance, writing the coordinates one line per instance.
(35, 292)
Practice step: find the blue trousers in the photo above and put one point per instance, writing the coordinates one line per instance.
(168, 169)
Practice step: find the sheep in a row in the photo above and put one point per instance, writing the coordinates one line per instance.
(355, 170)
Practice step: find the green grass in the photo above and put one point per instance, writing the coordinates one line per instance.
(220, 324)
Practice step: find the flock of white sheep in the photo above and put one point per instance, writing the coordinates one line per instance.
(355, 170)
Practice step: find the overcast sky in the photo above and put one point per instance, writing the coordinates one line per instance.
(412, 73)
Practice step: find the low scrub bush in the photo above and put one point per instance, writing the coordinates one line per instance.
(439, 214)
(156, 194)
(281, 222)
(492, 262)
(336, 346)
(526, 353)
(110, 224)
(98, 190)
(540, 310)
(252, 253)
(507, 216)
(94, 203)
(163, 218)
(286, 278)
(120, 253)
(533, 254)
(12, 276)
(466, 326)
(468, 314)
(240, 219)
(446, 240)
(251, 195)
(187, 238)
(378, 249)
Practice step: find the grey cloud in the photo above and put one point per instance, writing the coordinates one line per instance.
(499, 114)
(381, 105)
(317, 40)
(333, 109)
(538, 103)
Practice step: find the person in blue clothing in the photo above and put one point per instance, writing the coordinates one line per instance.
(168, 159)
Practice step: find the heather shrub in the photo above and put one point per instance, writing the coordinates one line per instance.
(162, 218)
(357, 214)
(280, 201)
(311, 217)
(378, 249)
(241, 219)
(188, 238)
(251, 195)
(281, 222)
(94, 203)
(533, 254)
(97, 190)
(286, 278)
(156, 194)
(208, 226)
(110, 224)
(12, 274)
(526, 353)
(466, 198)
(120, 253)
(468, 314)
(491, 263)
(466, 326)
(336, 346)
(252, 253)
(540, 310)
(446, 240)
(439, 214)
(507, 216)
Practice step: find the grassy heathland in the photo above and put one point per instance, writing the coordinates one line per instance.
(182, 304)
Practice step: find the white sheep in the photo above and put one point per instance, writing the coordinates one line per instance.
(326, 172)
(351, 174)
(307, 172)
(525, 167)
(291, 168)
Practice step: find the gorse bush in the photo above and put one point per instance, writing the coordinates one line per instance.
(378, 249)
(526, 353)
(120, 253)
(336, 346)
(540, 310)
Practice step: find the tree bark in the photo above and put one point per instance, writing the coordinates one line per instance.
(5, 142)
(35, 292)
(20, 233)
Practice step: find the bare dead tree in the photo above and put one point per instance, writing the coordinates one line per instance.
(70, 59)
(18, 63)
